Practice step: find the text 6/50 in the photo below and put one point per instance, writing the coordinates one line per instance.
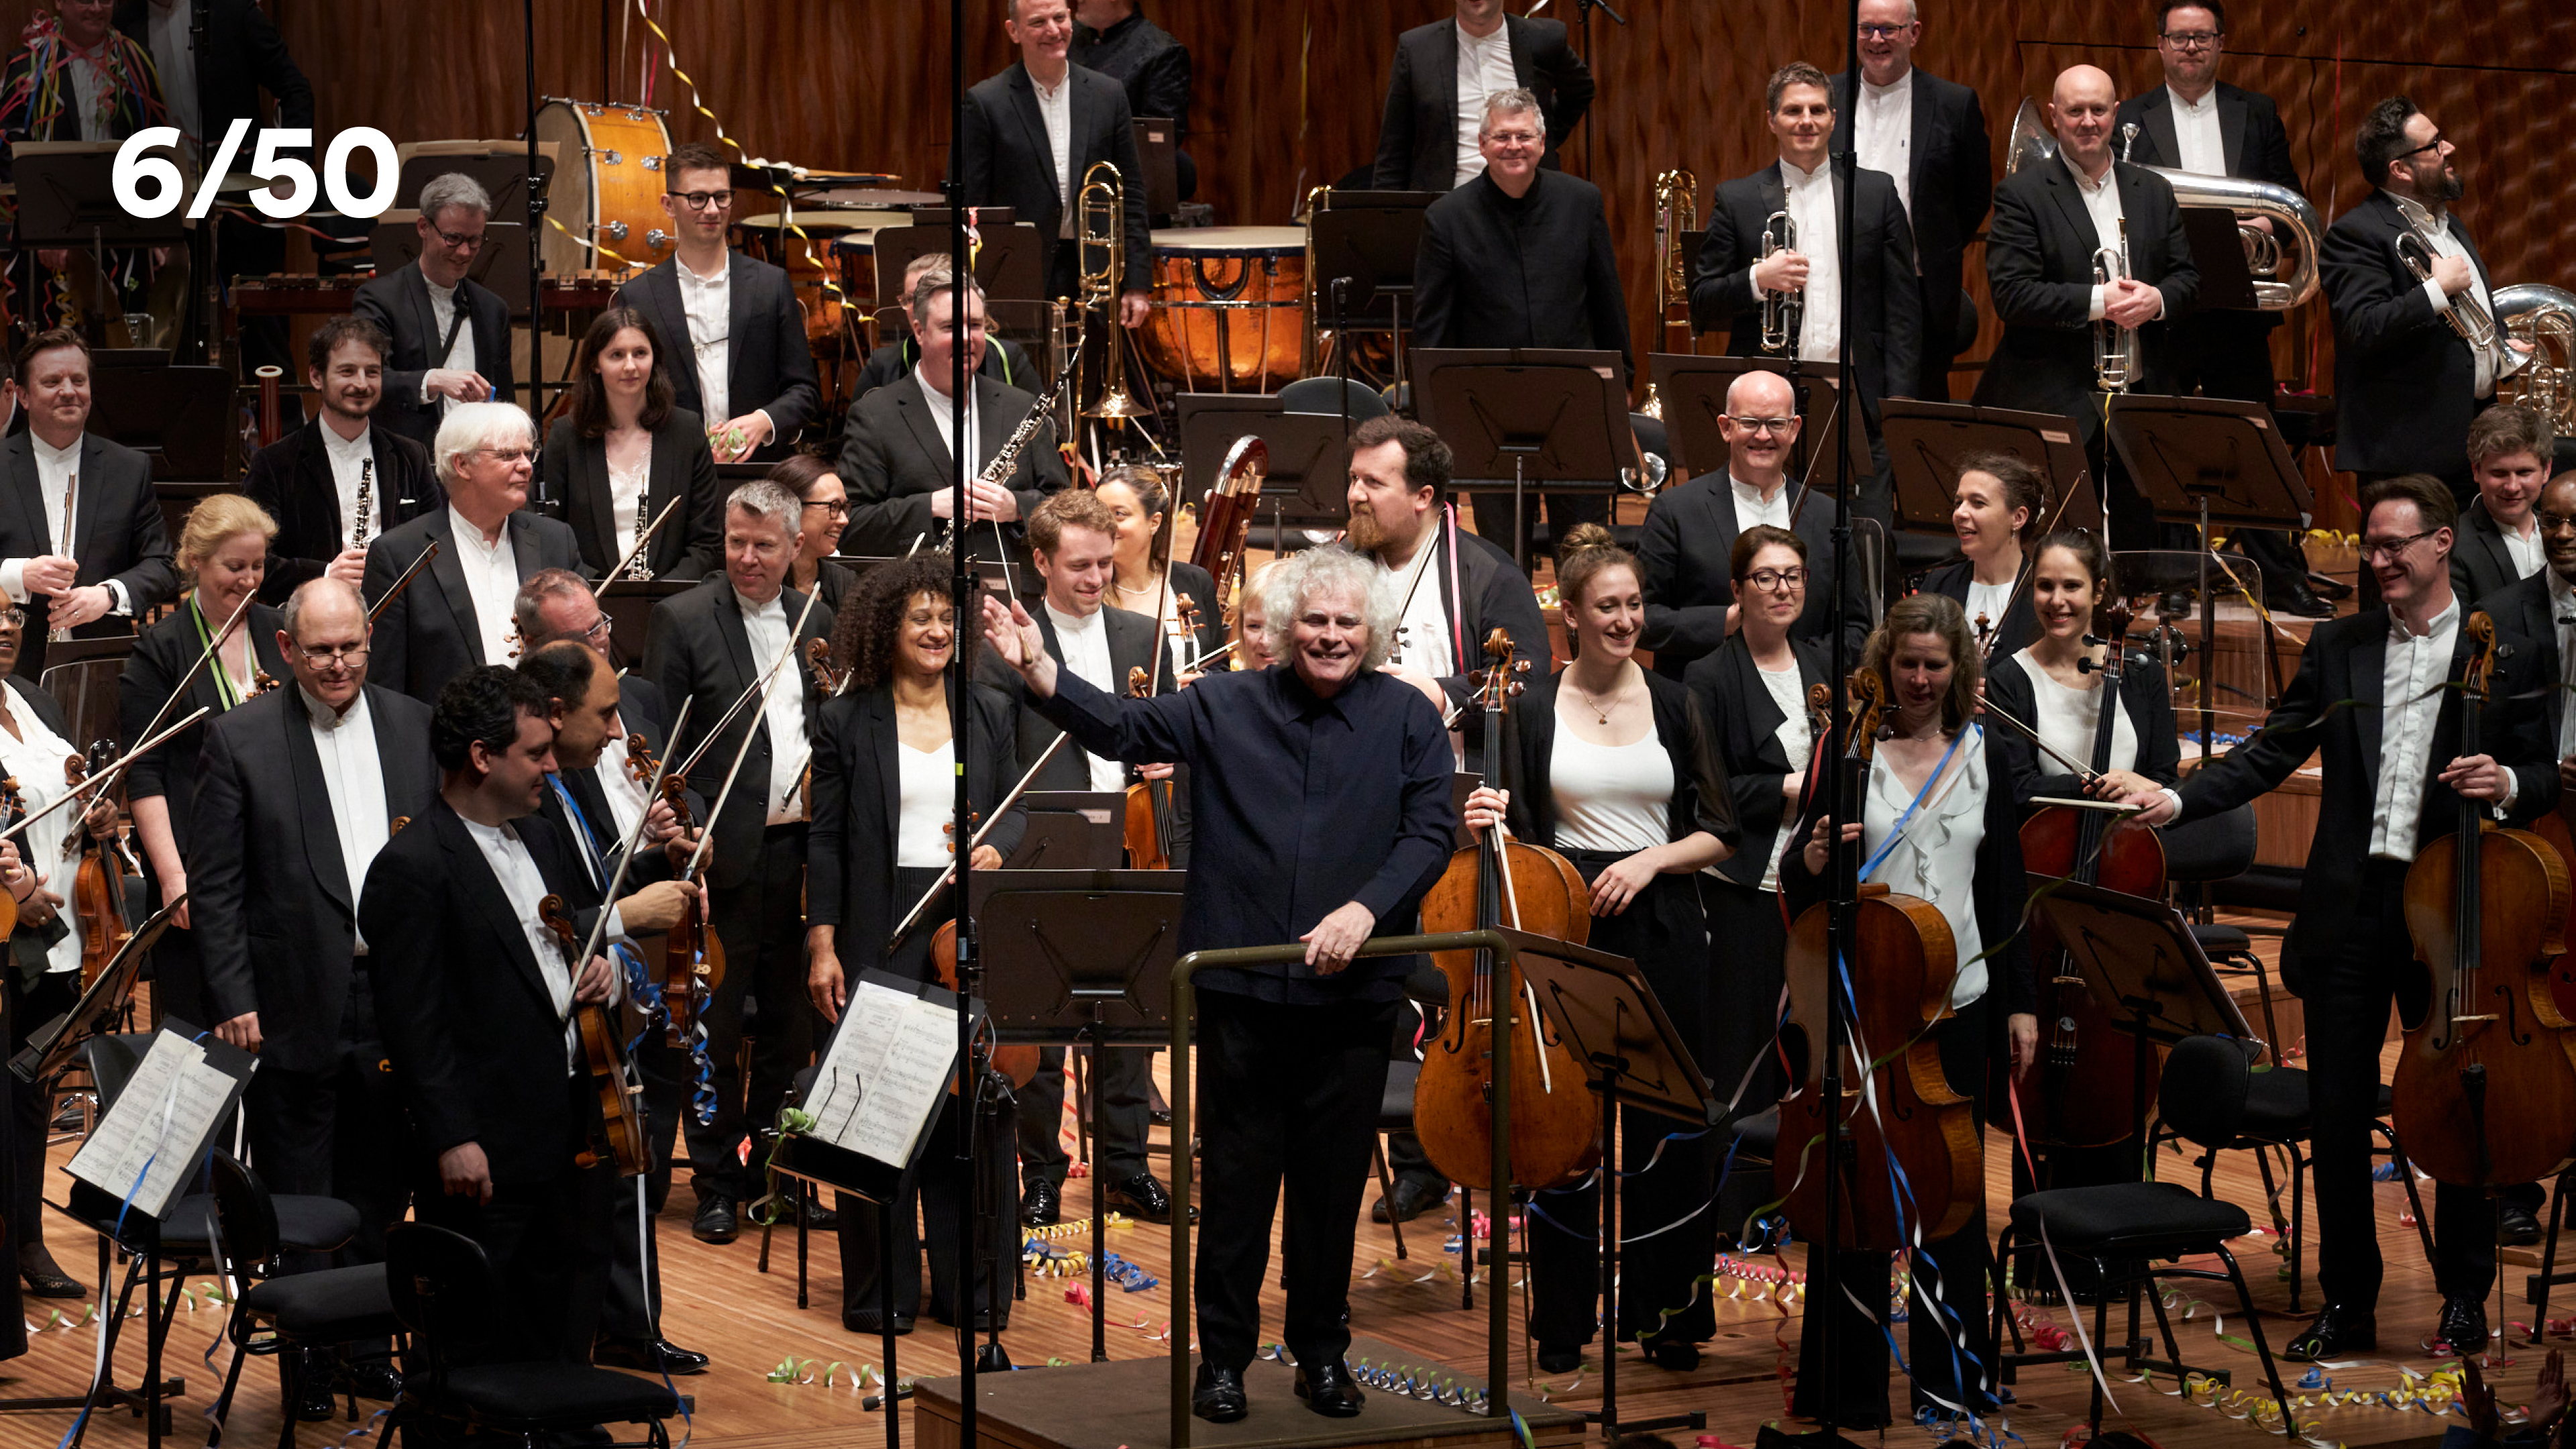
(148, 183)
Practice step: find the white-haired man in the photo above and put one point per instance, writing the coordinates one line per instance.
(451, 333)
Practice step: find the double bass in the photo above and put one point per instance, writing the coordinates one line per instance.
(621, 1139)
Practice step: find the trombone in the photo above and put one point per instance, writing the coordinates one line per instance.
(1100, 224)
(2115, 348)
(1676, 207)
(1782, 312)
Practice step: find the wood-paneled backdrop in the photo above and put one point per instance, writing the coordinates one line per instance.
(1289, 92)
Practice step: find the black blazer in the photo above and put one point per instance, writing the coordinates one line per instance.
(2525, 610)
(1417, 143)
(469, 1026)
(2334, 708)
(2404, 381)
(639, 711)
(1952, 164)
(1887, 314)
(1132, 641)
(165, 650)
(701, 651)
(1686, 548)
(769, 364)
(291, 478)
(834, 582)
(1004, 362)
(1003, 158)
(1537, 272)
(2039, 263)
(122, 535)
(429, 635)
(2480, 564)
(2250, 135)
(2015, 630)
(398, 302)
(1701, 800)
(1745, 723)
(244, 55)
(2143, 698)
(273, 906)
(850, 873)
(572, 476)
(893, 458)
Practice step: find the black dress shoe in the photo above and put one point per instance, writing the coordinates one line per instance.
(2463, 1325)
(866, 1322)
(1329, 1390)
(1413, 1197)
(1218, 1395)
(1041, 1203)
(2295, 597)
(1554, 1359)
(2327, 586)
(652, 1355)
(715, 1222)
(819, 1218)
(1678, 1354)
(2337, 1330)
(48, 1281)
(1143, 1198)
(2516, 1226)
(315, 1372)
(375, 1378)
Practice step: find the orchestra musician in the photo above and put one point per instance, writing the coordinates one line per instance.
(474, 1000)
(2392, 781)
(1444, 73)
(1687, 545)
(2049, 222)
(1940, 823)
(221, 552)
(1928, 135)
(1293, 1057)
(885, 794)
(1254, 644)
(313, 480)
(713, 645)
(456, 613)
(1512, 258)
(451, 334)
(300, 789)
(1114, 38)
(746, 371)
(1616, 769)
(826, 501)
(1998, 499)
(1003, 360)
(625, 451)
(896, 457)
(85, 549)
(76, 79)
(2500, 544)
(1146, 575)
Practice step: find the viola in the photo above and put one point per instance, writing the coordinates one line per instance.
(98, 884)
(827, 680)
(2485, 1080)
(1555, 1124)
(1149, 802)
(13, 807)
(1899, 1113)
(621, 1139)
(693, 961)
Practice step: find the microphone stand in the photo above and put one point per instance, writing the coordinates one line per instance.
(1583, 25)
(536, 221)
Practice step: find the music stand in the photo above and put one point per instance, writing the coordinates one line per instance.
(1109, 983)
(1925, 440)
(1556, 417)
(1010, 261)
(1307, 483)
(1693, 389)
(67, 198)
(628, 603)
(1071, 830)
(51, 1047)
(1366, 241)
(177, 416)
(1606, 1012)
(2218, 253)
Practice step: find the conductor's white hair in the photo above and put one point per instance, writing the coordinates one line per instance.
(1290, 584)
(473, 427)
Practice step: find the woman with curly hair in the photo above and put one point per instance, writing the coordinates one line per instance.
(890, 740)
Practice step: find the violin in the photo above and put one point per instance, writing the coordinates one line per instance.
(13, 806)
(827, 680)
(2484, 1080)
(621, 1139)
(693, 961)
(1555, 1124)
(98, 884)
(1897, 1113)
(1149, 802)
(2091, 1068)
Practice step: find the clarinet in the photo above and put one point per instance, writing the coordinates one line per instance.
(366, 502)
(1007, 457)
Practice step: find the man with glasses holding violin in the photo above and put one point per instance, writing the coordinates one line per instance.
(451, 333)
(729, 326)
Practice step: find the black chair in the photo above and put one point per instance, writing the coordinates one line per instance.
(449, 1300)
(1394, 1114)
(2122, 1228)
(276, 1312)
(1329, 396)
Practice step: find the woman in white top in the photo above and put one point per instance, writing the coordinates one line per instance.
(623, 451)
(2055, 686)
(1146, 577)
(1614, 768)
(2000, 499)
(1938, 824)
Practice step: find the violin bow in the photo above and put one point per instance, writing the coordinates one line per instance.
(642, 542)
(402, 583)
(912, 917)
(626, 858)
(761, 688)
(107, 774)
(203, 655)
(2082, 772)
(758, 687)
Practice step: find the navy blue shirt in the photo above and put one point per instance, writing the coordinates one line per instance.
(1299, 805)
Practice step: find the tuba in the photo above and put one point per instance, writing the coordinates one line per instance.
(2468, 318)
(2544, 317)
(2115, 348)
(1781, 311)
(1100, 229)
(1676, 207)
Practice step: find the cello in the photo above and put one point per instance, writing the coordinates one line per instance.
(2486, 1081)
(621, 1139)
(1555, 1124)
(1898, 1111)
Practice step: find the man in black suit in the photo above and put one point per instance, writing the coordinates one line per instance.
(456, 613)
(313, 480)
(1033, 132)
(2500, 539)
(451, 333)
(2535, 610)
(896, 459)
(2050, 219)
(307, 783)
(714, 645)
(1003, 362)
(1428, 140)
(1928, 135)
(2406, 383)
(82, 542)
(1114, 38)
(2372, 698)
(1687, 546)
(738, 357)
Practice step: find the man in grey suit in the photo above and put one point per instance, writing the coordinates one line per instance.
(451, 333)
(1442, 76)
(82, 543)
(457, 612)
(311, 781)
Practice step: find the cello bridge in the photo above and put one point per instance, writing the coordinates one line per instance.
(2489, 1016)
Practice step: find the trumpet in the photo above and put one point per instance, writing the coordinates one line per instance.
(2468, 317)
(1676, 207)
(1781, 311)
(1100, 226)
(2115, 348)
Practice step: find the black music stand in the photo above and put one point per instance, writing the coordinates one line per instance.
(1010, 261)
(81, 674)
(1925, 440)
(67, 198)
(1693, 389)
(51, 1047)
(1071, 830)
(1556, 417)
(628, 603)
(1606, 1012)
(1082, 957)
(2218, 253)
(1307, 483)
(1364, 243)
(178, 416)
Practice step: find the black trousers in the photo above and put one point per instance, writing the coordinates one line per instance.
(1748, 947)
(31, 1105)
(338, 1132)
(1120, 1077)
(762, 925)
(178, 979)
(1667, 1225)
(546, 1239)
(1288, 1097)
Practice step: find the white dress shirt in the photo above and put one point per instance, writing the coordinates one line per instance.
(1082, 645)
(926, 794)
(491, 581)
(2196, 133)
(943, 416)
(525, 885)
(1751, 508)
(2410, 704)
(1937, 859)
(91, 92)
(626, 488)
(625, 796)
(2562, 611)
(174, 59)
(782, 708)
(2446, 243)
(708, 304)
(1811, 209)
(1484, 68)
(442, 312)
(1425, 638)
(1990, 601)
(2524, 549)
(2068, 719)
(355, 778)
(1887, 134)
(2101, 203)
(1055, 107)
(1796, 735)
(56, 469)
(350, 460)
(35, 756)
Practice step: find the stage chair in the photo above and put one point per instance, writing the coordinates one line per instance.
(296, 1310)
(1325, 395)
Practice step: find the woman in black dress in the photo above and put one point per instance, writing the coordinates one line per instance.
(624, 452)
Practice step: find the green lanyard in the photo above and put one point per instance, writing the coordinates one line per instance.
(225, 690)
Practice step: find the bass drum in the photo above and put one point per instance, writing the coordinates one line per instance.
(1229, 307)
(607, 189)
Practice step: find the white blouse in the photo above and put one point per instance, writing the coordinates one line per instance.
(626, 488)
(927, 788)
(36, 756)
(1797, 741)
(1615, 798)
(2067, 719)
(1936, 859)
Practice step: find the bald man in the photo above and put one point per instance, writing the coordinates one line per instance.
(2049, 220)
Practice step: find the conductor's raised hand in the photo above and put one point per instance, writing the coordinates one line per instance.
(1017, 643)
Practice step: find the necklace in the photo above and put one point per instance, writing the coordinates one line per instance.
(1591, 703)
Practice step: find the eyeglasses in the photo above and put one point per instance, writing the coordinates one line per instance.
(13, 617)
(834, 507)
(1763, 425)
(509, 455)
(465, 242)
(2549, 521)
(2390, 548)
(2192, 39)
(600, 628)
(703, 200)
(1884, 32)
(338, 654)
(2433, 145)
(1773, 581)
(1513, 137)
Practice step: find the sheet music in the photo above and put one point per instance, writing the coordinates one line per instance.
(886, 1073)
(165, 1114)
